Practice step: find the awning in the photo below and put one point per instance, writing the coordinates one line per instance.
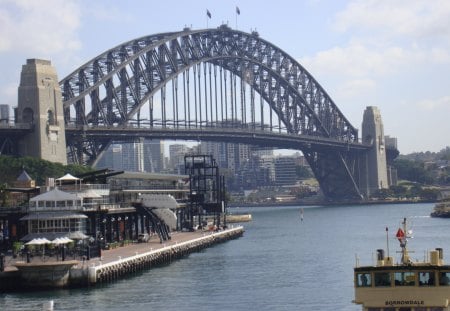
(51, 216)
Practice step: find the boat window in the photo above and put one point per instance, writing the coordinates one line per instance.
(437, 309)
(389, 309)
(404, 278)
(373, 309)
(382, 279)
(364, 280)
(426, 278)
(444, 278)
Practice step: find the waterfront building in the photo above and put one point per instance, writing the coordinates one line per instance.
(54, 214)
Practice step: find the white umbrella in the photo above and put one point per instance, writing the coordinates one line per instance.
(78, 235)
(42, 241)
(34, 242)
(62, 240)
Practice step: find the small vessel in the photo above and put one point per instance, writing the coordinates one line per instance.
(404, 286)
(441, 209)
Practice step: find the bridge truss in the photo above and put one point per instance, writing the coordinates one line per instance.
(214, 84)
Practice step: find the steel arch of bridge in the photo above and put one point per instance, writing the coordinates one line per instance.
(109, 91)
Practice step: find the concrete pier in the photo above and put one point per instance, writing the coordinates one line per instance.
(116, 263)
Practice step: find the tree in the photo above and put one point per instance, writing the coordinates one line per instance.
(38, 169)
(413, 171)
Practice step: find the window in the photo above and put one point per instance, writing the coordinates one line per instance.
(363, 279)
(444, 278)
(404, 278)
(50, 117)
(382, 279)
(426, 278)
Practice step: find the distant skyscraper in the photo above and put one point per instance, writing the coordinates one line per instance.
(4, 114)
(176, 154)
(285, 171)
(391, 142)
(153, 155)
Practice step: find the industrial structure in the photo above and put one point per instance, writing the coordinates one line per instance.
(203, 85)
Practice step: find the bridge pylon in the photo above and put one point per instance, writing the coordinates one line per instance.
(40, 104)
(374, 169)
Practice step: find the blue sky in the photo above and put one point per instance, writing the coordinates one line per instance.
(390, 54)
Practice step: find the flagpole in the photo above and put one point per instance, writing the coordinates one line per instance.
(387, 240)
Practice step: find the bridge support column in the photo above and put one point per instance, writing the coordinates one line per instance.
(40, 104)
(374, 169)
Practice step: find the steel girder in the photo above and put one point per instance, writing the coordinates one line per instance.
(117, 83)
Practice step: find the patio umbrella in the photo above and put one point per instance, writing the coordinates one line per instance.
(78, 235)
(62, 240)
(43, 241)
(34, 242)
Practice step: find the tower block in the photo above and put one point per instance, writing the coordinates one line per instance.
(375, 172)
(40, 103)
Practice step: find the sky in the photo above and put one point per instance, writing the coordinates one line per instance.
(391, 54)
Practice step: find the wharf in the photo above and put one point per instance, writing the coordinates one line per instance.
(114, 263)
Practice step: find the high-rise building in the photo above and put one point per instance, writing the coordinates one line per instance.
(176, 155)
(4, 114)
(153, 155)
(285, 171)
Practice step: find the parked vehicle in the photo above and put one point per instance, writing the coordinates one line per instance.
(143, 237)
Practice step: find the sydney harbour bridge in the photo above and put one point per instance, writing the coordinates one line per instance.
(211, 85)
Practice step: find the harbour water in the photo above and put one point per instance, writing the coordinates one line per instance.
(281, 263)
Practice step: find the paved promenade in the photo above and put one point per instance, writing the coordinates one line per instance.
(117, 253)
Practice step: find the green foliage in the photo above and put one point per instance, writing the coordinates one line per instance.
(38, 169)
(410, 192)
(303, 172)
(413, 171)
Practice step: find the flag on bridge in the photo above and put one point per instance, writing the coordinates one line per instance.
(238, 12)
(208, 13)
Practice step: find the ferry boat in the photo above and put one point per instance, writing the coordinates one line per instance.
(405, 286)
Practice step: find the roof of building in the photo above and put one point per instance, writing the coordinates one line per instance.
(24, 176)
(67, 177)
(53, 215)
(151, 176)
(55, 195)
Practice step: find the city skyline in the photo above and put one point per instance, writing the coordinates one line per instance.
(394, 55)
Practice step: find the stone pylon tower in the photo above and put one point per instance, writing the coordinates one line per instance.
(375, 168)
(40, 103)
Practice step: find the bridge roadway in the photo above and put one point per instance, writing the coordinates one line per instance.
(233, 135)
